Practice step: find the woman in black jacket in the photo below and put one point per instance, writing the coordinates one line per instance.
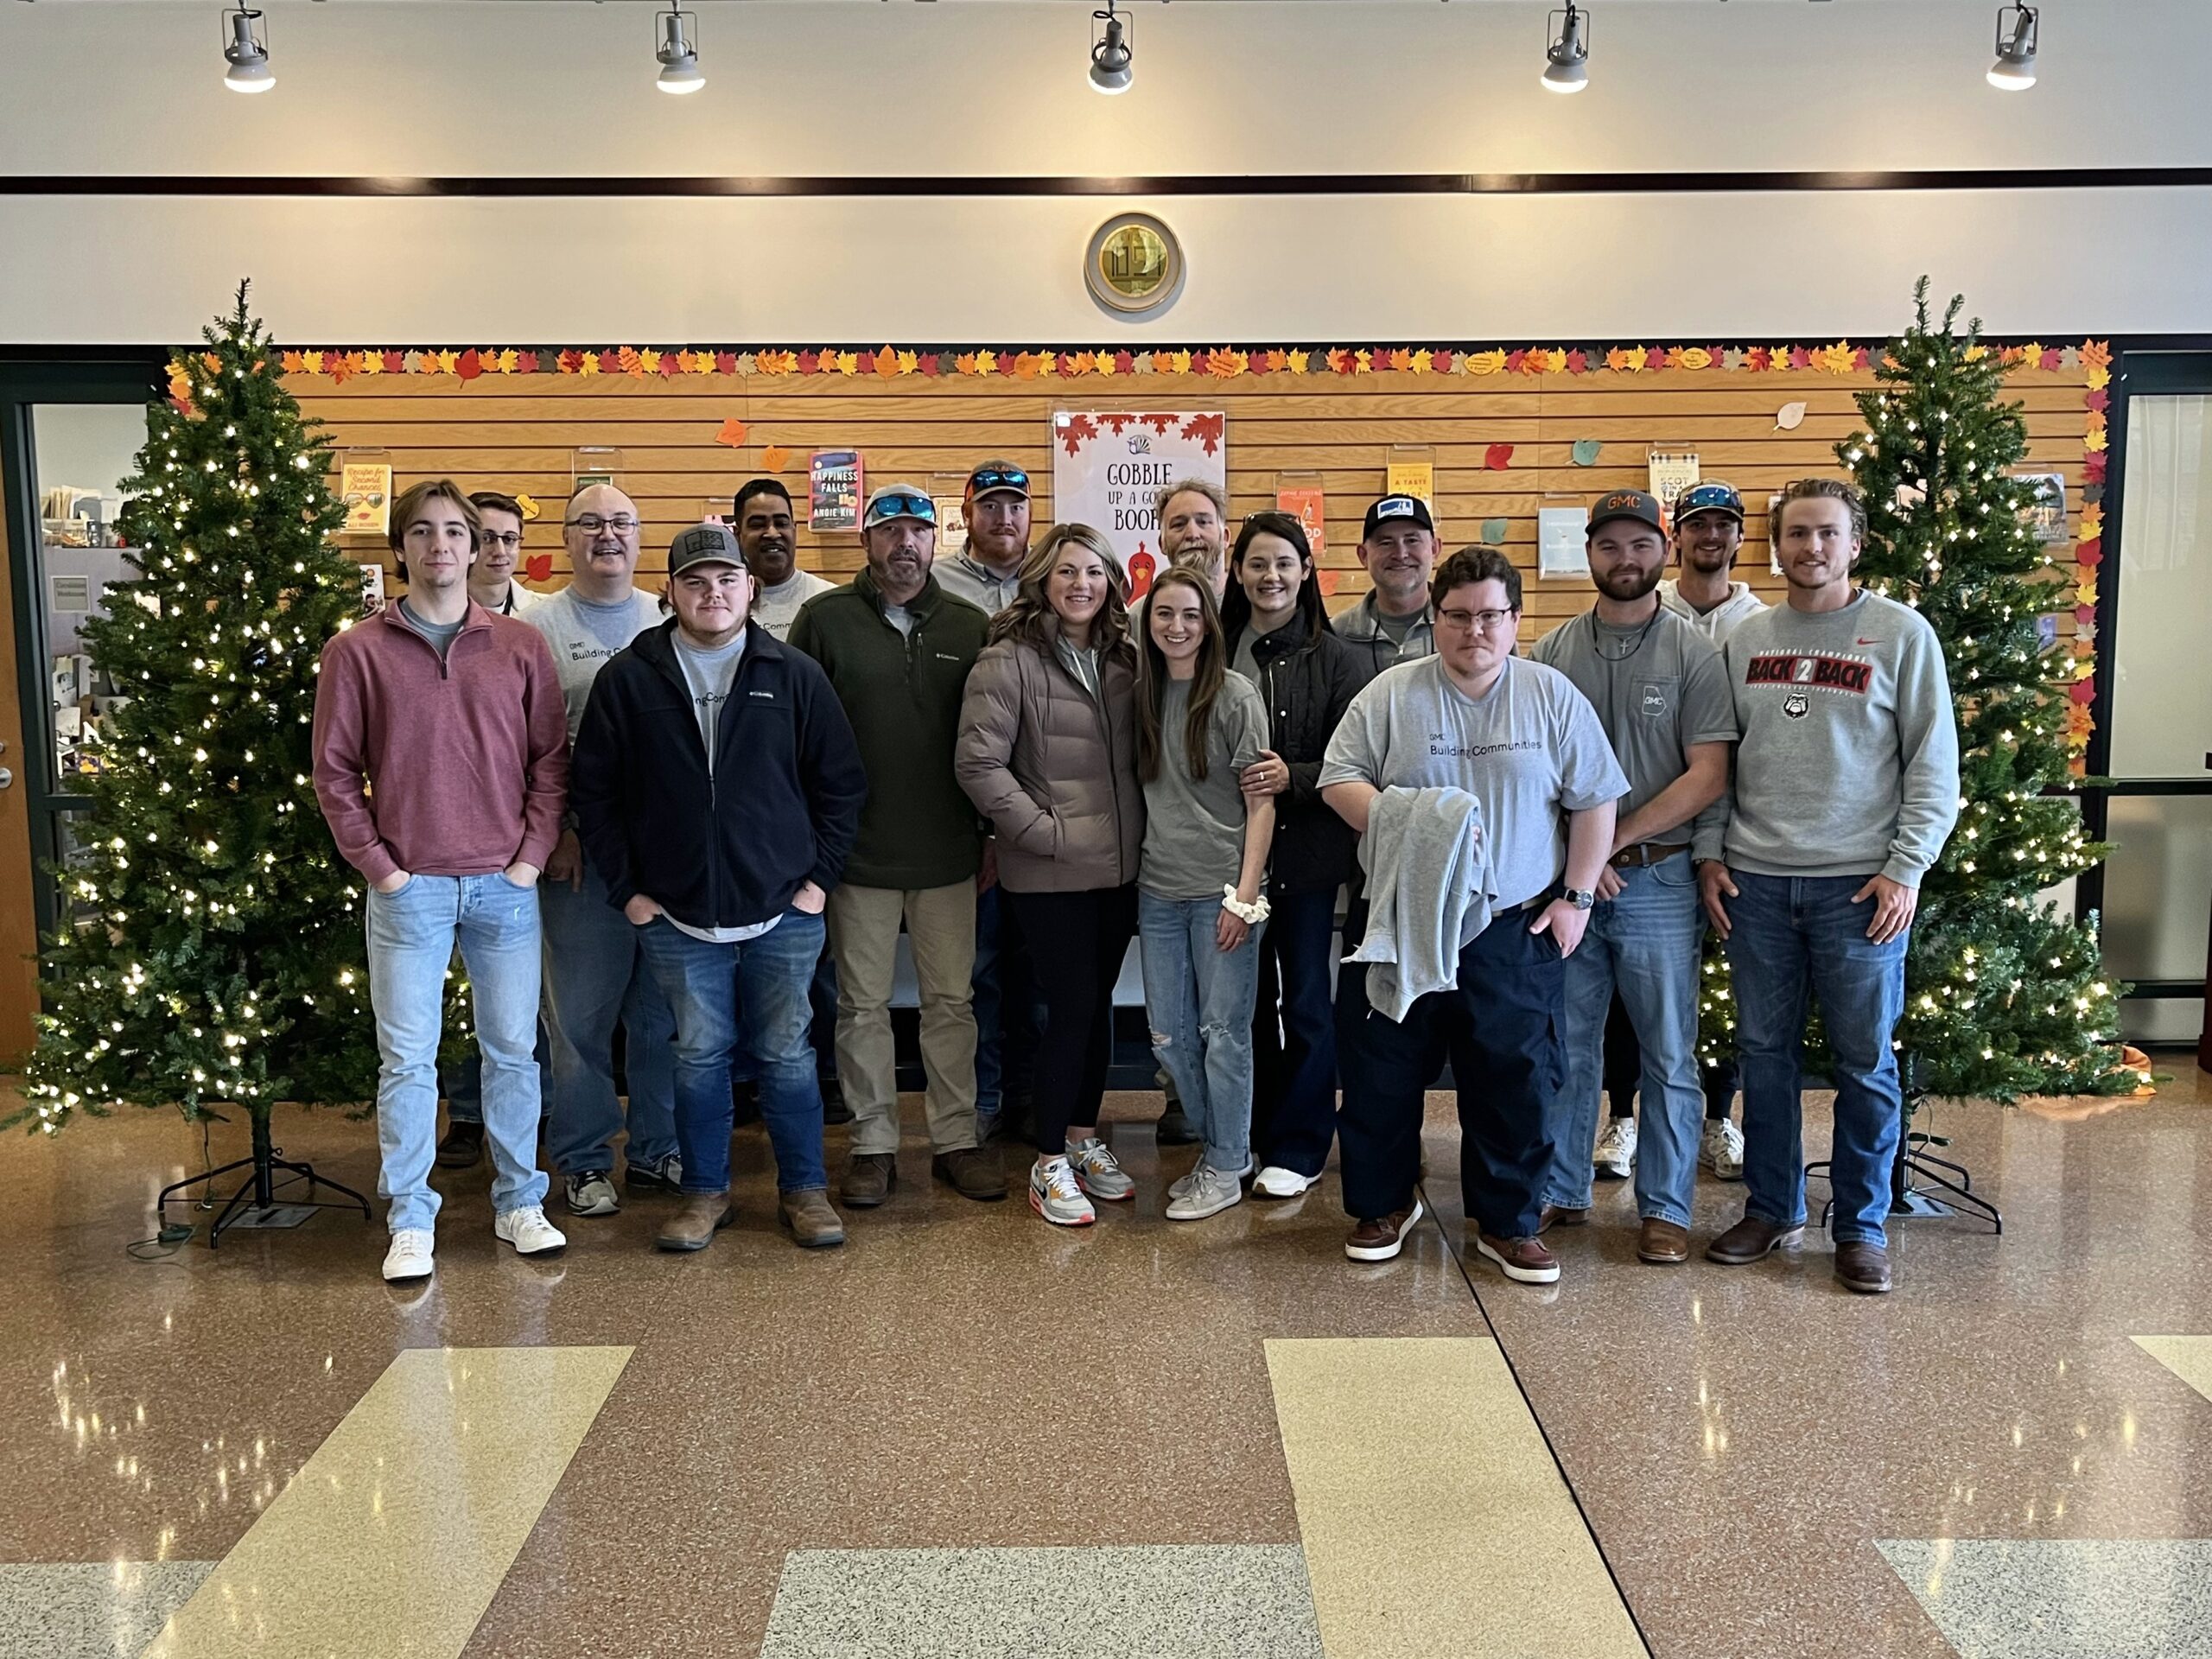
(1278, 637)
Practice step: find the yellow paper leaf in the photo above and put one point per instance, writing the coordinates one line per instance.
(1491, 362)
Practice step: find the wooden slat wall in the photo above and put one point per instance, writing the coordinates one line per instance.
(518, 434)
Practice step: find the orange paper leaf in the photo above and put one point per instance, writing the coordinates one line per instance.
(732, 433)
(774, 456)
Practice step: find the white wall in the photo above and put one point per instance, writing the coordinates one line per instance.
(827, 87)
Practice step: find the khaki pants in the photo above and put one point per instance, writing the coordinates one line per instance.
(864, 940)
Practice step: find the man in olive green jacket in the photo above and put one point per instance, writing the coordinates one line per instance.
(897, 649)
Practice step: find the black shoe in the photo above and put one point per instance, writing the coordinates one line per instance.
(666, 1176)
(745, 1103)
(834, 1109)
(462, 1148)
(1175, 1130)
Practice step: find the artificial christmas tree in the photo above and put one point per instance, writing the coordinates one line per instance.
(212, 951)
(2004, 995)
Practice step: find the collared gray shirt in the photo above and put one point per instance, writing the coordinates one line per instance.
(1658, 687)
(965, 576)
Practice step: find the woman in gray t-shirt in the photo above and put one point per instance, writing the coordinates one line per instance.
(1199, 909)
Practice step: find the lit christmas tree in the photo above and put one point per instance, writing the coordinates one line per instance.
(2004, 994)
(211, 951)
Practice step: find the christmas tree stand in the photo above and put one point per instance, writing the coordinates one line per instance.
(1916, 1164)
(255, 1204)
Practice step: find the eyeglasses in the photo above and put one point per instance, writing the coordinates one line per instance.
(591, 523)
(1463, 622)
(998, 478)
(503, 539)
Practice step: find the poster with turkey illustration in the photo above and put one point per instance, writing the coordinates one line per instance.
(1108, 466)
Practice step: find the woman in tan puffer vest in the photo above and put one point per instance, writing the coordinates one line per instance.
(1047, 752)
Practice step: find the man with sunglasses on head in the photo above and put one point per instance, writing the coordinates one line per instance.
(897, 649)
(988, 575)
(595, 974)
(1473, 720)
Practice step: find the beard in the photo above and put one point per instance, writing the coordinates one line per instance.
(1627, 583)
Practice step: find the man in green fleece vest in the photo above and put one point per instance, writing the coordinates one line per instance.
(897, 649)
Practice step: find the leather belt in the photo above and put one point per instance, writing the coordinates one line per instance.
(1643, 856)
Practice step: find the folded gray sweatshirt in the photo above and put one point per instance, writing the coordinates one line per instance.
(1428, 892)
(1849, 760)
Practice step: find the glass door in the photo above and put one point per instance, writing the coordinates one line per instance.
(2154, 738)
(71, 435)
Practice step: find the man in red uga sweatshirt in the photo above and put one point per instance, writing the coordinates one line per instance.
(441, 760)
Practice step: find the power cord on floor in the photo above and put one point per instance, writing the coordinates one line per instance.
(175, 1235)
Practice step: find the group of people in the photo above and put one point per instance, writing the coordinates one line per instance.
(708, 827)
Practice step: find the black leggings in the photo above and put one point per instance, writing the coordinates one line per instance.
(1077, 941)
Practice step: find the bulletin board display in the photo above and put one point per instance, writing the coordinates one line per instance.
(1503, 443)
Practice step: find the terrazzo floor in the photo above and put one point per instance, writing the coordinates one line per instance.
(966, 1433)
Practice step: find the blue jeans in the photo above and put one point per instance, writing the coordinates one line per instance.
(595, 974)
(411, 938)
(1644, 943)
(703, 982)
(1793, 938)
(464, 1086)
(1295, 1033)
(1199, 999)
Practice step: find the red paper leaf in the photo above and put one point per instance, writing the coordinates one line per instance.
(670, 365)
(538, 567)
(1079, 431)
(809, 363)
(2090, 553)
(2092, 466)
(2100, 400)
(1577, 362)
(1207, 428)
(1799, 357)
(927, 364)
(1654, 358)
(2050, 358)
(2082, 691)
(725, 362)
(470, 365)
(1441, 362)
(864, 363)
(1498, 457)
(1515, 361)
(2085, 613)
(526, 363)
(1124, 363)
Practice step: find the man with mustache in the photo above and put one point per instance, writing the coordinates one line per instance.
(1394, 621)
(1662, 697)
(596, 973)
(1193, 516)
(897, 649)
(767, 532)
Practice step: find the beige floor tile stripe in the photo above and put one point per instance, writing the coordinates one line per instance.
(2188, 1357)
(1434, 1520)
(393, 1538)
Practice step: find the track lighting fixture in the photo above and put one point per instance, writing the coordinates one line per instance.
(678, 53)
(1113, 65)
(247, 56)
(1566, 59)
(2015, 68)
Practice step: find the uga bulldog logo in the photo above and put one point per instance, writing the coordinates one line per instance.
(1796, 705)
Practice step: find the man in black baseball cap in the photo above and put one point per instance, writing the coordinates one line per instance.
(1394, 622)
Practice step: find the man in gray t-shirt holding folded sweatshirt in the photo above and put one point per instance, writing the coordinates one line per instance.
(1847, 787)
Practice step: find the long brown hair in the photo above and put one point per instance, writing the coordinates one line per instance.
(1030, 618)
(1212, 669)
(1236, 604)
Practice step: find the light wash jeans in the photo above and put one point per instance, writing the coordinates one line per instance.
(411, 938)
(705, 983)
(595, 974)
(1794, 937)
(1199, 999)
(1645, 941)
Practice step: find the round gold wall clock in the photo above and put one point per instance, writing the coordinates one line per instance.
(1134, 265)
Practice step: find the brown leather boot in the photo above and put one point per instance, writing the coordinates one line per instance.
(697, 1220)
(1558, 1215)
(1751, 1238)
(868, 1179)
(1863, 1266)
(1662, 1241)
(814, 1226)
(972, 1172)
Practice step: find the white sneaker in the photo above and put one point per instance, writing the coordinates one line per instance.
(1098, 1172)
(591, 1192)
(1721, 1149)
(528, 1230)
(410, 1255)
(1183, 1186)
(1276, 1182)
(1616, 1153)
(1054, 1194)
(1209, 1191)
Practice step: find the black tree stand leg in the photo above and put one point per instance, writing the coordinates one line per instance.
(258, 1194)
(1915, 1165)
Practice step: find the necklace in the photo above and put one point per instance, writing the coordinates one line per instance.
(1598, 641)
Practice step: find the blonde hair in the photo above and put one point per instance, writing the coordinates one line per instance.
(1030, 618)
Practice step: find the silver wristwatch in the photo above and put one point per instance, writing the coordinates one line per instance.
(1580, 898)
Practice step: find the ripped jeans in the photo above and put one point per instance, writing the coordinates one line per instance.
(1199, 999)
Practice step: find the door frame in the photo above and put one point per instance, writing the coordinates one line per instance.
(130, 375)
